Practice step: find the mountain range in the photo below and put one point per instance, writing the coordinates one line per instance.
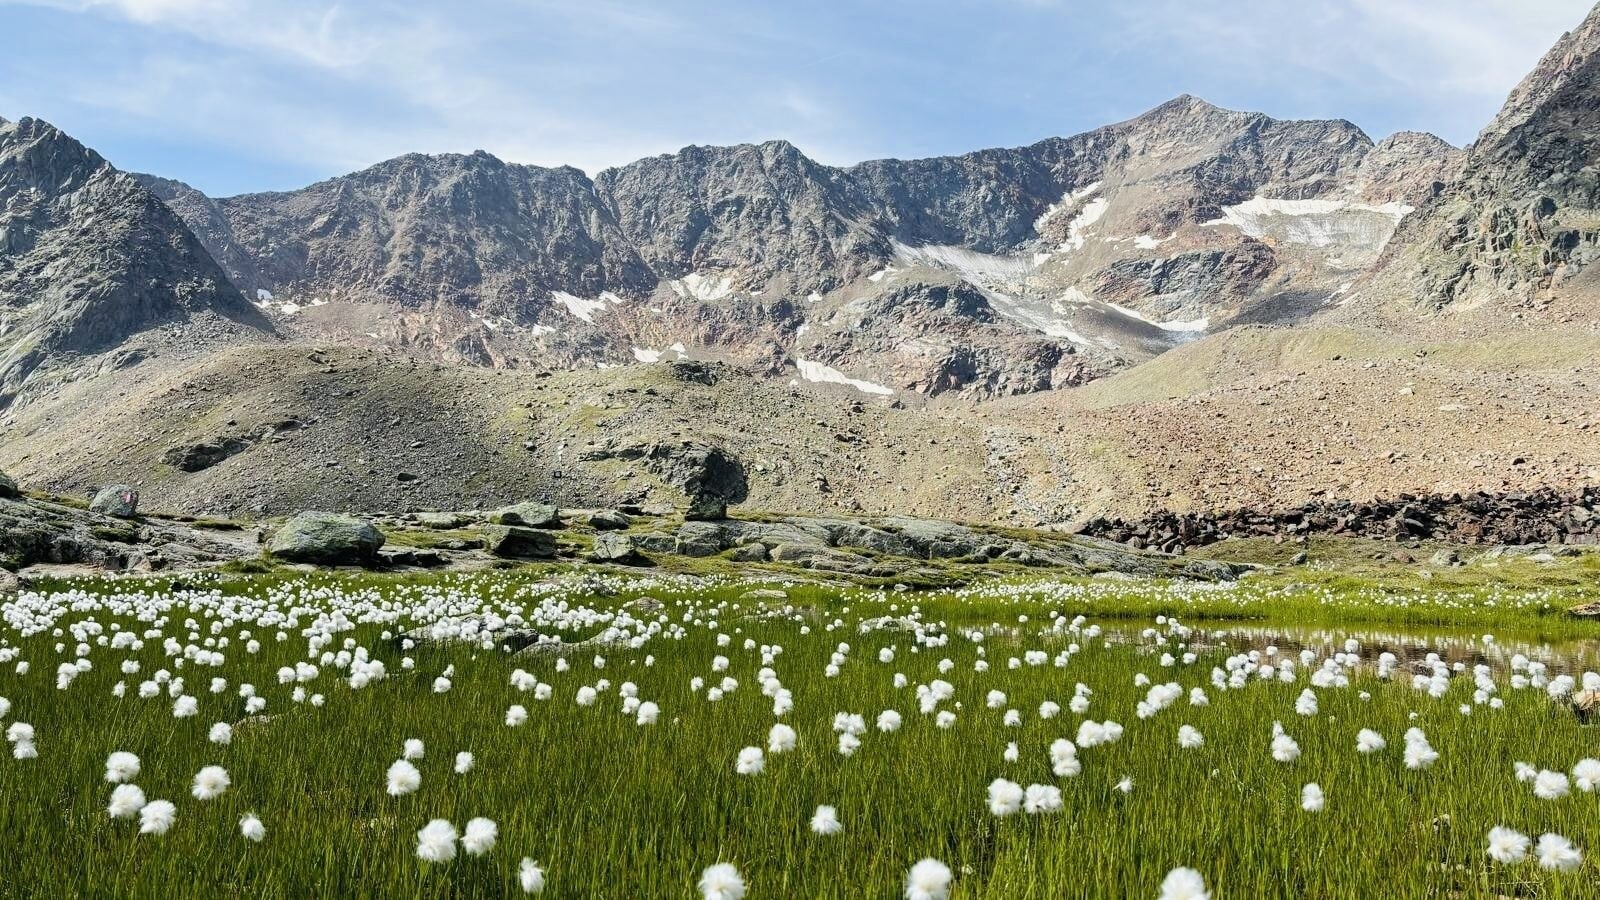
(1176, 268)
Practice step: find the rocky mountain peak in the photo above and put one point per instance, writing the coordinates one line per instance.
(89, 258)
(1567, 68)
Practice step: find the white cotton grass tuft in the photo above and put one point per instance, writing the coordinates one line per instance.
(721, 882)
(1548, 785)
(464, 762)
(750, 762)
(825, 821)
(436, 841)
(1557, 854)
(1311, 798)
(250, 826)
(157, 816)
(531, 876)
(781, 739)
(479, 836)
(126, 801)
(1005, 797)
(1184, 883)
(412, 750)
(403, 778)
(210, 783)
(1189, 737)
(1586, 775)
(928, 879)
(121, 767)
(1369, 741)
(221, 733)
(1507, 845)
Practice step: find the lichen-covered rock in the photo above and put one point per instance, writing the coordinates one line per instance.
(118, 500)
(326, 539)
(615, 548)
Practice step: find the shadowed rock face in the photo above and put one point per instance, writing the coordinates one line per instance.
(89, 257)
(1520, 219)
(760, 255)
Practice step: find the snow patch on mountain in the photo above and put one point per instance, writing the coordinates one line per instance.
(1316, 223)
(818, 373)
(585, 307)
(705, 288)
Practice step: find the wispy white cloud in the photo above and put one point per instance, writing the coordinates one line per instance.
(325, 86)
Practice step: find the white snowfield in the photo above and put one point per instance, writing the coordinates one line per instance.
(818, 373)
(585, 307)
(1316, 223)
(1191, 326)
(705, 288)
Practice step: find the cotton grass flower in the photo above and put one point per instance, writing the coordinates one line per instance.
(928, 879)
(531, 876)
(750, 762)
(825, 821)
(516, 715)
(250, 826)
(1548, 785)
(464, 762)
(1507, 845)
(1369, 741)
(1557, 854)
(1005, 797)
(436, 842)
(121, 767)
(1311, 798)
(156, 817)
(126, 801)
(781, 739)
(1190, 737)
(1184, 884)
(1586, 775)
(721, 882)
(221, 734)
(1042, 798)
(889, 720)
(210, 783)
(412, 749)
(403, 778)
(479, 836)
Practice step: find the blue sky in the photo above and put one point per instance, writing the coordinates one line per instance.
(242, 95)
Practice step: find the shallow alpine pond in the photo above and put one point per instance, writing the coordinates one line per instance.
(610, 736)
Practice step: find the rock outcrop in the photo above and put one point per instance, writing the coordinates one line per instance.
(326, 539)
(1537, 517)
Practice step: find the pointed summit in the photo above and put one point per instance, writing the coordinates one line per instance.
(1566, 73)
(89, 258)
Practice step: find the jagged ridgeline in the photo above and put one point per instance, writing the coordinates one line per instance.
(997, 272)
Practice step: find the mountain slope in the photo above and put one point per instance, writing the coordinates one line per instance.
(1517, 231)
(1090, 253)
(89, 258)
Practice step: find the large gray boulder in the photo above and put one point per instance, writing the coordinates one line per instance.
(326, 539)
(528, 515)
(8, 487)
(615, 547)
(118, 500)
(516, 542)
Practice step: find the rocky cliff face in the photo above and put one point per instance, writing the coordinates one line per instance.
(1089, 253)
(89, 258)
(1522, 219)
